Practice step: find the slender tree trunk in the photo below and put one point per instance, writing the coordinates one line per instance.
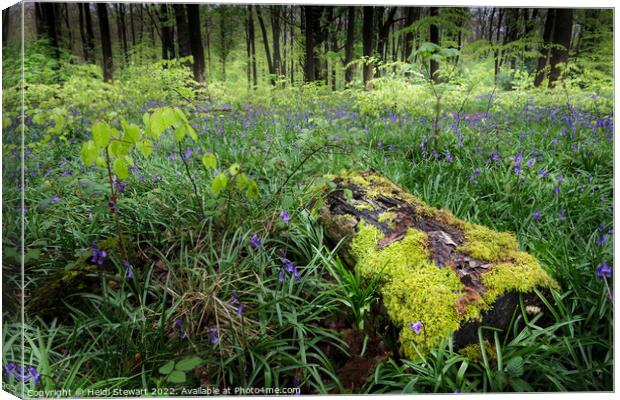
(497, 53)
(49, 15)
(167, 34)
(182, 29)
(491, 25)
(434, 28)
(120, 9)
(133, 29)
(544, 52)
(348, 48)
(412, 14)
(68, 25)
(252, 47)
(90, 34)
(275, 32)
(195, 40)
(368, 30)
(85, 49)
(106, 43)
(562, 34)
(266, 44)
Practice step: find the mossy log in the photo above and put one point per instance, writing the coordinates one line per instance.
(449, 274)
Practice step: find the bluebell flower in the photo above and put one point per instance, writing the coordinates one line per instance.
(99, 255)
(415, 326)
(213, 336)
(178, 323)
(255, 241)
(474, 175)
(537, 215)
(603, 271)
(129, 268)
(55, 198)
(285, 217)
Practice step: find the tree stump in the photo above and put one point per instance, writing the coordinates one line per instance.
(449, 275)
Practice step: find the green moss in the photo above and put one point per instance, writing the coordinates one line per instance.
(486, 244)
(414, 288)
(472, 352)
(388, 218)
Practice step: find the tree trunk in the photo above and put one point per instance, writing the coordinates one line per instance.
(106, 42)
(68, 25)
(49, 17)
(348, 48)
(497, 53)
(266, 44)
(182, 30)
(85, 48)
(544, 52)
(368, 30)
(431, 266)
(195, 41)
(275, 33)
(411, 16)
(252, 43)
(133, 28)
(384, 31)
(167, 34)
(434, 33)
(314, 38)
(120, 23)
(562, 34)
(90, 34)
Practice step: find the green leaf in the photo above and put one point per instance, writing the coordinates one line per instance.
(179, 133)
(118, 148)
(101, 134)
(166, 368)
(219, 183)
(188, 364)
(234, 169)
(176, 377)
(348, 194)
(121, 168)
(191, 132)
(145, 147)
(132, 133)
(157, 124)
(209, 160)
(252, 191)
(242, 181)
(89, 153)
(170, 117)
(519, 385)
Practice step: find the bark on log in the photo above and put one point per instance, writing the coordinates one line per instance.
(448, 274)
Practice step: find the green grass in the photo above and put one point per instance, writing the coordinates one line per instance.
(117, 332)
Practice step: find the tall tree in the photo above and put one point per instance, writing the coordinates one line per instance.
(90, 34)
(412, 14)
(120, 23)
(278, 68)
(180, 16)
(195, 41)
(85, 49)
(348, 47)
(368, 30)
(48, 11)
(133, 29)
(167, 34)
(263, 30)
(544, 51)
(6, 20)
(314, 38)
(434, 33)
(562, 34)
(251, 47)
(106, 42)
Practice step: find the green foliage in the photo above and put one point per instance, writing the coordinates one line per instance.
(175, 372)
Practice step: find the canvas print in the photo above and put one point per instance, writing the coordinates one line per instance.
(255, 199)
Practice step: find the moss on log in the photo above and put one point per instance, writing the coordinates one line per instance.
(449, 274)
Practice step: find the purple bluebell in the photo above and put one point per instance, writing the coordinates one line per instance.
(255, 241)
(55, 198)
(603, 271)
(281, 275)
(415, 326)
(285, 217)
(213, 336)
(178, 323)
(129, 268)
(474, 175)
(99, 254)
(537, 215)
